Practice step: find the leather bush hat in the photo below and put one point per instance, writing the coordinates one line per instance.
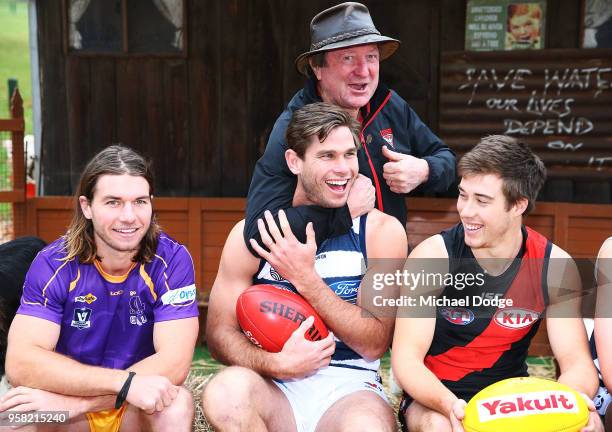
(344, 25)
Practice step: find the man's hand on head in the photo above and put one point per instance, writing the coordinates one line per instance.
(301, 357)
(292, 259)
(362, 196)
(403, 172)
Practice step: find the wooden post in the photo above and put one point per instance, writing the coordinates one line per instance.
(12, 85)
(19, 180)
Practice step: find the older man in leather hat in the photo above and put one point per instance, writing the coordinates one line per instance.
(398, 154)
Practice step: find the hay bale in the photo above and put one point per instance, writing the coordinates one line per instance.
(196, 380)
(542, 367)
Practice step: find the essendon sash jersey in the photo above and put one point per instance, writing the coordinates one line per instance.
(477, 345)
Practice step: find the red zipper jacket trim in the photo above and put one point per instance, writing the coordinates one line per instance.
(379, 199)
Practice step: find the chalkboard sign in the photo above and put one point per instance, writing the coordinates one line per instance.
(597, 24)
(558, 101)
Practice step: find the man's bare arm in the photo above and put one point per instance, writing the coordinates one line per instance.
(174, 343)
(226, 341)
(414, 332)
(368, 330)
(31, 361)
(566, 332)
(357, 326)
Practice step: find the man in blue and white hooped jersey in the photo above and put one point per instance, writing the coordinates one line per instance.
(330, 384)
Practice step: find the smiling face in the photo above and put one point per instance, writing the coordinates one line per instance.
(350, 77)
(327, 171)
(483, 209)
(120, 211)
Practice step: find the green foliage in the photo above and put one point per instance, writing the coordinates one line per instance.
(5, 170)
(15, 56)
(5, 184)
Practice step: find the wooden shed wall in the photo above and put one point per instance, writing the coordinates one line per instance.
(202, 224)
(205, 118)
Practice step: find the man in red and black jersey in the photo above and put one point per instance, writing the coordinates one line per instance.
(478, 332)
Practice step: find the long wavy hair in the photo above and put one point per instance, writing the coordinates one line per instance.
(113, 160)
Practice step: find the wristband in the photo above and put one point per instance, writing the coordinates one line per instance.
(122, 395)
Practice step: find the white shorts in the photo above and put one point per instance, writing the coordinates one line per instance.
(311, 397)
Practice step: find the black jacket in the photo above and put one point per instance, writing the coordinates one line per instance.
(386, 120)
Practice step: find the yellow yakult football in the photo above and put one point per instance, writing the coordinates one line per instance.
(526, 405)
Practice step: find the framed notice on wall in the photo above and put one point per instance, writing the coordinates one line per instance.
(497, 25)
(597, 24)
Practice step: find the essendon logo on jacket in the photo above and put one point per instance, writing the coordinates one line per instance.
(387, 135)
(523, 404)
(516, 318)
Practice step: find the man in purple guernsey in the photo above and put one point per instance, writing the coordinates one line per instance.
(108, 318)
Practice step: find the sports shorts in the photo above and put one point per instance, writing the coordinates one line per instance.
(311, 397)
(107, 420)
(601, 400)
(407, 400)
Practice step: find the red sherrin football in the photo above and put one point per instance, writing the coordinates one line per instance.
(268, 315)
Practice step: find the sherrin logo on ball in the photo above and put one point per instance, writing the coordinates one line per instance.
(269, 314)
(526, 404)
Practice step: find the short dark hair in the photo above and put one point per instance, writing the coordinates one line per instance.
(318, 119)
(113, 160)
(523, 173)
(318, 60)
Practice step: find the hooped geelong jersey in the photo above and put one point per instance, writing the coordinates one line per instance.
(602, 398)
(341, 262)
(477, 345)
(108, 320)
